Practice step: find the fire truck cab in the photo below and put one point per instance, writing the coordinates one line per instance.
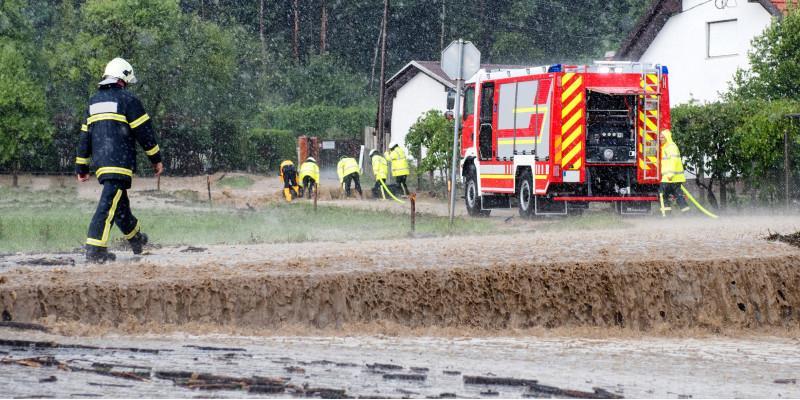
(550, 140)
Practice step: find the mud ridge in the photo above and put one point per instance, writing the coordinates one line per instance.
(735, 293)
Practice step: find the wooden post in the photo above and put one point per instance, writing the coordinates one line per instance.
(316, 195)
(208, 184)
(158, 183)
(382, 90)
(413, 198)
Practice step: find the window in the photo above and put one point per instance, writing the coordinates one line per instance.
(469, 101)
(722, 38)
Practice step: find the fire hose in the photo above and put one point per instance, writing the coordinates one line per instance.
(390, 192)
(696, 204)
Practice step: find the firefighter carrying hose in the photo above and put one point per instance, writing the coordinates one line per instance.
(397, 156)
(309, 177)
(672, 177)
(348, 172)
(289, 177)
(114, 123)
(380, 168)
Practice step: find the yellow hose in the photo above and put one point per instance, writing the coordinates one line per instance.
(696, 204)
(390, 192)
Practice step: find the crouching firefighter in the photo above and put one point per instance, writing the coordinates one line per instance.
(380, 168)
(289, 177)
(397, 156)
(672, 177)
(114, 123)
(309, 177)
(349, 171)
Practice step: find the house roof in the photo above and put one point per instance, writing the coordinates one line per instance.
(434, 70)
(657, 15)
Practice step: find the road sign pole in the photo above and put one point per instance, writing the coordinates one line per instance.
(456, 129)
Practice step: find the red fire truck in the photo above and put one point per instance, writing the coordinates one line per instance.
(550, 140)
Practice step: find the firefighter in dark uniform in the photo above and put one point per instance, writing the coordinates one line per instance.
(289, 176)
(114, 123)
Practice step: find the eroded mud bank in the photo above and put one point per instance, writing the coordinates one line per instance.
(727, 293)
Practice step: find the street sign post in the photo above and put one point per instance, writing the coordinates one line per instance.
(460, 60)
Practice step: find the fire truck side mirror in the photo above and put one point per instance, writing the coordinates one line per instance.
(451, 100)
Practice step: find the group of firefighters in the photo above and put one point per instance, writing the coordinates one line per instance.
(116, 121)
(297, 183)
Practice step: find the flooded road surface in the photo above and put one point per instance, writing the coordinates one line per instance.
(417, 367)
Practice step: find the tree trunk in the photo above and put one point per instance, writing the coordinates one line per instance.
(723, 194)
(430, 183)
(323, 29)
(261, 32)
(296, 31)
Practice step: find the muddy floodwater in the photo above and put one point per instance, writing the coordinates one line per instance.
(417, 367)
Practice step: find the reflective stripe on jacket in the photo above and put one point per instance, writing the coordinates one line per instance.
(114, 123)
(346, 166)
(380, 167)
(671, 165)
(399, 161)
(310, 169)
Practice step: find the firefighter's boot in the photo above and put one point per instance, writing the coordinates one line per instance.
(301, 192)
(296, 192)
(137, 242)
(98, 255)
(287, 194)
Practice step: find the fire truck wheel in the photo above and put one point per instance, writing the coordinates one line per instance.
(471, 198)
(525, 193)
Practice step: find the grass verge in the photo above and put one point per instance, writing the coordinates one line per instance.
(236, 182)
(57, 221)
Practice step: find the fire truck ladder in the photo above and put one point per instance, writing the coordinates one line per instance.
(651, 85)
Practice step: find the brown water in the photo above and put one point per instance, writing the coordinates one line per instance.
(632, 367)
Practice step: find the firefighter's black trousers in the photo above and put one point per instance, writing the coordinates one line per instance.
(348, 180)
(673, 189)
(401, 181)
(377, 190)
(289, 177)
(113, 208)
(308, 187)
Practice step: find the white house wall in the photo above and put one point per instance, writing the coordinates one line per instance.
(419, 95)
(682, 45)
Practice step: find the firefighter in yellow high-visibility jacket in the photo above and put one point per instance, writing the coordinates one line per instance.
(289, 177)
(397, 156)
(309, 177)
(380, 168)
(349, 171)
(672, 177)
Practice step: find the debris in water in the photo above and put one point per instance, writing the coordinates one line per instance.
(192, 249)
(405, 377)
(384, 366)
(490, 392)
(491, 380)
(23, 326)
(210, 348)
(294, 370)
(47, 261)
(786, 381)
(51, 378)
(791, 239)
(446, 372)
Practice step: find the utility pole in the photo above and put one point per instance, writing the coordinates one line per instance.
(382, 92)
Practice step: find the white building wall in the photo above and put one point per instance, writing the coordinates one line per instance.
(419, 95)
(682, 45)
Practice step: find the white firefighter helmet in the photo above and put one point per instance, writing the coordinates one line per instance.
(120, 69)
(311, 159)
(392, 145)
(373, 152)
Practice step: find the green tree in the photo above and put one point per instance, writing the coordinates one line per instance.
(708, 140)
(433, 133)
(774, 71)
(23, 121)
